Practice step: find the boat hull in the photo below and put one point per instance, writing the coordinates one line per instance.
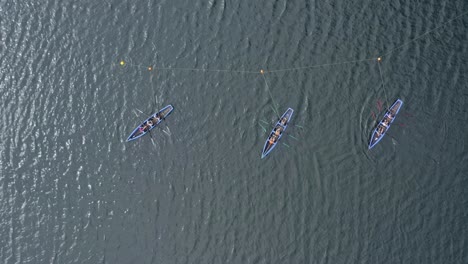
(155, 119)
(384, 124)
(281, 125)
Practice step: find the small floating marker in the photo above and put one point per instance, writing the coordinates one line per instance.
(379, 58)
(150, 68)
(122, 63)
(262, 72)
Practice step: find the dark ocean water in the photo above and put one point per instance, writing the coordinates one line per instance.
(73, 191)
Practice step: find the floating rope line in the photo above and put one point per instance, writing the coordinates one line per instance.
(205, 70)
(268, 89)
(319, 65)
(150, 68)
(381, 78)
(424, 34)
(122, 63)
(262, 72)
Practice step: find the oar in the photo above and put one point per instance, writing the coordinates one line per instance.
(298, 126)
(391, 136)
(293, 137)
(151, 136)
(264, 129)
(266, 123)
(379, 105)
(286, 144)
(168, 131)
(274, 110)
(141, 112)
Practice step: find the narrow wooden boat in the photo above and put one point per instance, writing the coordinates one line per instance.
(384, 124)
(277, 132)
(150, 123)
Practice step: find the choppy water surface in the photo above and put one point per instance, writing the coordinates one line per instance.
(73, 191)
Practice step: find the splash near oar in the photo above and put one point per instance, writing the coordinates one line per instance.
(150, 123)
(385, 123)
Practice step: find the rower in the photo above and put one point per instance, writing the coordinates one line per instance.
(283, 121)
(278, 131)
(272, 139)
(381, 129)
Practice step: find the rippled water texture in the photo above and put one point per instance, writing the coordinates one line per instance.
(73, 191)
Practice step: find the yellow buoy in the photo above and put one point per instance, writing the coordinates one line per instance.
(150, 68)
(122, 63)
(379, 59)
(261, 71)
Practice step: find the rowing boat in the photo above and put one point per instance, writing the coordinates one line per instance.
(384, 124)
(150, 123)
(277, 132)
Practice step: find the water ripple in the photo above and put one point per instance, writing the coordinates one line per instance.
(201, 193)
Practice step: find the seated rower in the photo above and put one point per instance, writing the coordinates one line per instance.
(147, 126)
(283, 121)
(278, 131)
(160, 117)
(272, 139)
(381, 129)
